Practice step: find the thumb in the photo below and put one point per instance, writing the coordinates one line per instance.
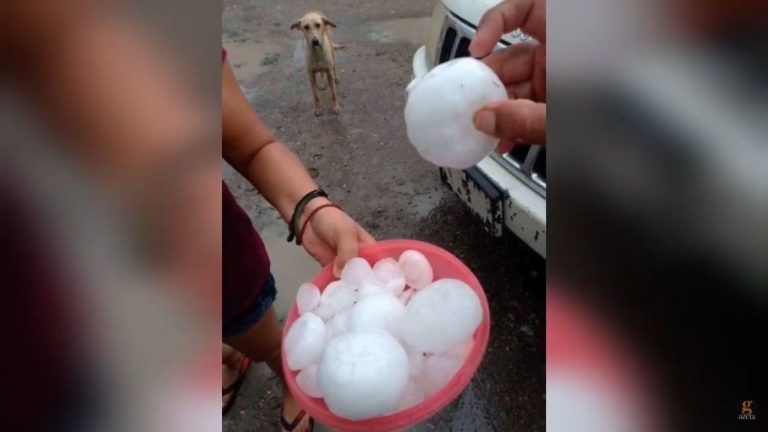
(346, 248)
(514, 119)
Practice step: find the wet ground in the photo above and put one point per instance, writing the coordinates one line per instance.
(365, 162)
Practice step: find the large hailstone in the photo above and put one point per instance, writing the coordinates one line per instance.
(440, 108)
(441, 315)
(338, 296)
(388, 272)
(372, 287)
(362, 374)
(307, 382)
(381, 311)
(307, 298)
(304, 341)
(416, 269)
(355, 271)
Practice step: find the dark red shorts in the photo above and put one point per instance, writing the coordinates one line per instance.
(247, 286)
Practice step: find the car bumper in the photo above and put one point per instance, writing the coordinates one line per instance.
(501, 201)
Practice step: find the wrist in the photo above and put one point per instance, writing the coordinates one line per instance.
(304, 206)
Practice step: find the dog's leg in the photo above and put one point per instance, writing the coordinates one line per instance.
(335, 75)
(334, 98)
(321, 85)
(315, 94)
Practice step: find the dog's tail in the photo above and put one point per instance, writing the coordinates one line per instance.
(338, 47)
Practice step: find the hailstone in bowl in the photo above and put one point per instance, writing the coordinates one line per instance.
(441, 315)
(304, 341)
(440, 108)
(362, 374)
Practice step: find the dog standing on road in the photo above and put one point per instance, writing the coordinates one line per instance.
(319, 53)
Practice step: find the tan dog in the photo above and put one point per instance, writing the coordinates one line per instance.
(319, 52)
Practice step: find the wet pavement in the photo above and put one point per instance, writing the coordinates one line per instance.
(364, 161)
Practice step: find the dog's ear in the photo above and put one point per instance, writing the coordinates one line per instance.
(328, 22)
(296, 25)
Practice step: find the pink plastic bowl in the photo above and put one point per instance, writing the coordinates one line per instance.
(445, 265)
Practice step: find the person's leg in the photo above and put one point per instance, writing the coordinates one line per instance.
(231, 360)
(263, 343)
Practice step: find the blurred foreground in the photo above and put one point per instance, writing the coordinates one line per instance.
(658, 209)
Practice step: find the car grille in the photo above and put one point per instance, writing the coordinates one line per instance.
(526, 162)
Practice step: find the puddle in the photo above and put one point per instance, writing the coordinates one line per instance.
(291, 266)
(251, 57)
(413, 30)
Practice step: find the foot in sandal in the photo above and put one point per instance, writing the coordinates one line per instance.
(293, 418)
(233, 371)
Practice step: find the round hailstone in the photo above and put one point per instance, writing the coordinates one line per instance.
(416, 268)
(338, 295)
(442, 315)
(438, 370)
(371, 287)
(307, 298)
(355, 271)
(307, 381)
(362, 374)
(388, 272)
(380, 311)
(440, 109)
(304, 341)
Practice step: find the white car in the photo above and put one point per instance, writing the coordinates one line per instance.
(507, 190)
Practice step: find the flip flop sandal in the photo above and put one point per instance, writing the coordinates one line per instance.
(289, 427)
(234, 388)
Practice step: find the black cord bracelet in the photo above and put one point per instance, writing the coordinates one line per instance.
(299, 210)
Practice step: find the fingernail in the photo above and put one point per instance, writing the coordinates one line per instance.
(485, 122)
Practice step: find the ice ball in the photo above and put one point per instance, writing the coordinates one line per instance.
(362, 374)
(338, 295)
(416, 268)
(441, 315)
(438, 370)
(307, 381)
(388, 272)
(304, 341)
(371, 287)
(355, 271)
(381, 311)
(440, 108)
(307, 298)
